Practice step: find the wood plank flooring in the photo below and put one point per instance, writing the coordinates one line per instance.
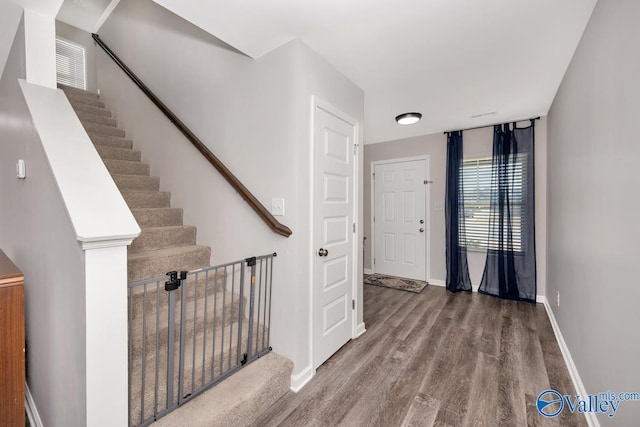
(435, 359)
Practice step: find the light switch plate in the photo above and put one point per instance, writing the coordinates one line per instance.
(277, 206)
(21, 169)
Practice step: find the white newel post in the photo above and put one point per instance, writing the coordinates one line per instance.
(106, 332)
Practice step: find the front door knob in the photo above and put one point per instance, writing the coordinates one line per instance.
(323, 252)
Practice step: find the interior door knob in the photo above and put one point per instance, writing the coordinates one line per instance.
(422, 230)
(422, 221)
(323, 252)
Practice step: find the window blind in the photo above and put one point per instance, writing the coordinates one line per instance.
(477, 192)
(70, 64)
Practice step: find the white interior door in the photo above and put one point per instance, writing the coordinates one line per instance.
(334, 140)
(400, 227)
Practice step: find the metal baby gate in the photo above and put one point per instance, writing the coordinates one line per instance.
(190, 330)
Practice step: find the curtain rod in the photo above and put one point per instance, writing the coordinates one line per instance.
(488, 126)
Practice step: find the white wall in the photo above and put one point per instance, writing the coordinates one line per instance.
(40, 48)
(36, 234)
(254, 115)
(477, 143)
(66, 226)
(39, 38)
(594, 205)
(10, 17)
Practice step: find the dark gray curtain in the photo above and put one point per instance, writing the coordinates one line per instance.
(457, 268)
(510, 269)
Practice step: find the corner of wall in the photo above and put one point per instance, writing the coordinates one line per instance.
(299, 380)
(591, 419)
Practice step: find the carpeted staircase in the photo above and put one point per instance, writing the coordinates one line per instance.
(166, 244)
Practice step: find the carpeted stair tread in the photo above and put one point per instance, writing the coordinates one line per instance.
(225, 338)
(100, 129)
(115, 153)
(90, 109)
(240, 399)
(77, 91)
(136, 182)
(164, 237)
(110, 141)
(222, 310)
(126, 167)
(157, 217)
(225, 348)
(145, 264)
(77, 99)
(167, 253)
(155, 294)
(147, 199)
(96, 118)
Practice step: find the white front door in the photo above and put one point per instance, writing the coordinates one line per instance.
(334, 140)
(400, 227)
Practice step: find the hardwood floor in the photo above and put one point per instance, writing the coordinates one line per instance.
(435, 359)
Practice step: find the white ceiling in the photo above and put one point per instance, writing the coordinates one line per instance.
(448, 59)
(44, 7)
(88, 15)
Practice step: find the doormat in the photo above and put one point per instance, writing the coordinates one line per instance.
(410, 285)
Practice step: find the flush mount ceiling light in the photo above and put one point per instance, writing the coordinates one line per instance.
(408, 118)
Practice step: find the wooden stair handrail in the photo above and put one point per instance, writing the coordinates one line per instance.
(255, 204)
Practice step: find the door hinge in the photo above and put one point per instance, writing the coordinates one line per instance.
(374, 176)
(355, 149)
(353, 304)
(374, 260)
(426, 181)
(354, 227)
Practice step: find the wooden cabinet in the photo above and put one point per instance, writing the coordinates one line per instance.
(11, 344)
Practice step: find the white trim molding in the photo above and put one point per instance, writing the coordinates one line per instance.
(301, 379)
(368, 271)
(30, 407)
(108, 243)
(437, 282)
(360, 330)
(592, 421)
(107, 12)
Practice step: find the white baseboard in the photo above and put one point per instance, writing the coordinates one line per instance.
(591, 418)
(360, 330)
(368, 271)
(30, 407)
(300, 380)
(437, 282)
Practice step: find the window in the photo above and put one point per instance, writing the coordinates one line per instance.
(70, 64)
(476, 178)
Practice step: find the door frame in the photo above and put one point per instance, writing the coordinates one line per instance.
(427, 212)
(317, 102)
